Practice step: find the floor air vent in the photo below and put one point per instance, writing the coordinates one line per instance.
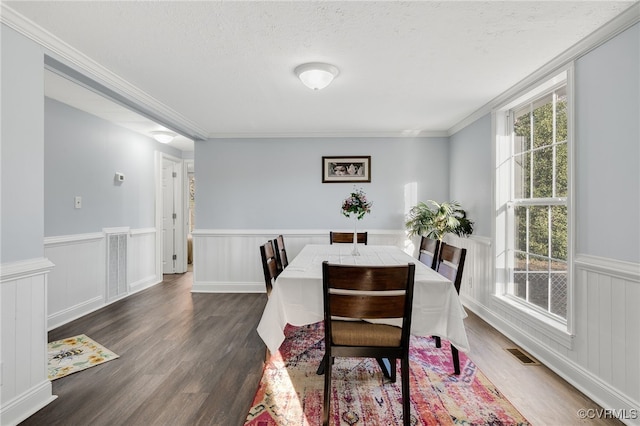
(117, 286)
(523, 357)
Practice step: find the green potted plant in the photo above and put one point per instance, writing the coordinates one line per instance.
(438, 219)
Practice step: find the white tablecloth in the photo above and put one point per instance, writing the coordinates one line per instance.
(296, 297)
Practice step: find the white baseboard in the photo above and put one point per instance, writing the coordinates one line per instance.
(600, 392)
(220, 287)
(144, 283)
(74, 312)
(80, 310)
(25, 405)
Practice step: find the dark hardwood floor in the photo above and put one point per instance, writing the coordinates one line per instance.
(185, 359)
(196, 359)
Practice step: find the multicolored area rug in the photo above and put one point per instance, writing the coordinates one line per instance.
(74, 354)
(290, 391)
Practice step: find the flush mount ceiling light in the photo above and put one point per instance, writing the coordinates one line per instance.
(163, 136)
(316, 75)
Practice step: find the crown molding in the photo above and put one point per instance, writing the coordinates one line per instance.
(129, 95)
(620, 23)
(363, 134)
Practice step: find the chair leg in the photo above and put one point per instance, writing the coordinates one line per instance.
(320, 370)
(406, 397)
(388, 368)
(456, 360)
(328, 361)
(393, 363)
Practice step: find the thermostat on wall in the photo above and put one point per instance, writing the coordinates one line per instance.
(119, 177)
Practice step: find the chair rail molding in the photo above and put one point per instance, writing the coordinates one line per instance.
(618, 268)
(68, 239)
(25, 268)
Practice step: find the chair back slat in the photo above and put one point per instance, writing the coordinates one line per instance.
(451, 263)
(370, 278)
(281, 253)
(429, 251)
(367, 306)
(448, 271)
(347, 237)
(269, 264)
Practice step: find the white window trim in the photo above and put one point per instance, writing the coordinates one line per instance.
(548, 326)
(543, 324)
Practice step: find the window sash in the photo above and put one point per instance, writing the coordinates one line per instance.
(535, 271)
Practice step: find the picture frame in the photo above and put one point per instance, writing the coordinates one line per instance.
(355, 168)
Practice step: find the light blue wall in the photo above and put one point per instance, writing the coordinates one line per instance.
(22, 217)
(470, 173)
(82, 155)
(608, 149)
(277, 183)
(607, 154)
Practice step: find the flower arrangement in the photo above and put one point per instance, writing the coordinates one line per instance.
(356, 204)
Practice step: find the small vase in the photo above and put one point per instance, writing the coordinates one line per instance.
(355, 251)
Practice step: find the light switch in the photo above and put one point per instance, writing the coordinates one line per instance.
(78, 200)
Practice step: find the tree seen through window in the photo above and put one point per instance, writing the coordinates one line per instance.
(539, 163)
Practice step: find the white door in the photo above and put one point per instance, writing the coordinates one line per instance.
(169, 216)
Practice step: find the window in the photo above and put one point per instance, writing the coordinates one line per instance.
(533, 200)
(539, 164)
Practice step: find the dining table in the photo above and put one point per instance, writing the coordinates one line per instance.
(297, 295)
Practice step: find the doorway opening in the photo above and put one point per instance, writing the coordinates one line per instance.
(172, 214)
(191, 207)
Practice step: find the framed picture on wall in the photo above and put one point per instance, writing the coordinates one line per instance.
(346, 169)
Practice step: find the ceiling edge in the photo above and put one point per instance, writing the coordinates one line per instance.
(615, 26)
(138, 100)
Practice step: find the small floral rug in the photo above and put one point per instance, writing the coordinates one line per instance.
(75, 354)
(291, 393)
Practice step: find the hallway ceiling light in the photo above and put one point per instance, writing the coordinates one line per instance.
(316, 75)
(163, 136)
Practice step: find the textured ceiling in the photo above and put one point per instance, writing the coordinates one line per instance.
(406, 68)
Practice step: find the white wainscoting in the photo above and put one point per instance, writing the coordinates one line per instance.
(24, 387)
(228, 261)
(142, 259)
(603, 359)
(77, 285)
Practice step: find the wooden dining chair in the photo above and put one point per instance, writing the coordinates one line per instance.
(429, 251)
(281, 252)
(269, 265)
(353, 293)
(347, 237)
(451, 265)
